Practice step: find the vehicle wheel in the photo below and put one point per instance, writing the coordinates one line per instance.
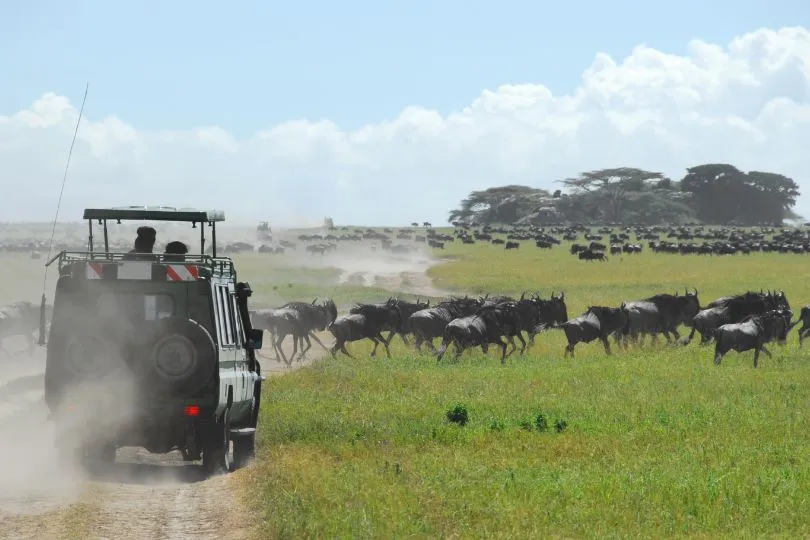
(244, 450)
(244, 446)
(216, 454)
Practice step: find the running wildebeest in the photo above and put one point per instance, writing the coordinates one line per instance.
(299, 319)
(804, 318)
(592, 255)
(427, 324)
(488, 325)
(598, 322)
(533, 315)
(753, 332)
(398, 311)
(733, 309)
(364, 324)
(22, 319)
(661, 313)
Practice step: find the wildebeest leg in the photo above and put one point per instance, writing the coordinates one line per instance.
(802, 334)
(756, 354)
(318, 341)
(294, 351)
(606, 343)
(688, 339)
(569, 349)
(385, 344)
(511, 340)
(522, 342)
(440, 353)
(502, 343)
(429, 343)
(277, 346)
(304, 349)
(417, 341)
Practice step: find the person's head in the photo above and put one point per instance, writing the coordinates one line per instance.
(145, 241)
(176, 248)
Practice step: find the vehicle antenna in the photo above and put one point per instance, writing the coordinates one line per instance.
(55, 217)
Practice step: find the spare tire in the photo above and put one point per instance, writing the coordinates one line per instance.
(181, 359)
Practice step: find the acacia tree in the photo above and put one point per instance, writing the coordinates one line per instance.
(624, 194)
(721, 193)
(503, 204)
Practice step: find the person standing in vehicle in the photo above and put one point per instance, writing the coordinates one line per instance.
(144, 243)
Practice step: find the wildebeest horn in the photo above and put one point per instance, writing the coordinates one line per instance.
(696, 293)
(523, 295)
(686, 291)
(314, 300)
(562, 295)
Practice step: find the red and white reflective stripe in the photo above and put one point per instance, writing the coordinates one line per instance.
(94, 270)
(182, 272)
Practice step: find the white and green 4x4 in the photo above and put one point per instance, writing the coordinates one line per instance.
(157, 352)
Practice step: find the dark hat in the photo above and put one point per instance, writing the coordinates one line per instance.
(176, 247)
(147, 232)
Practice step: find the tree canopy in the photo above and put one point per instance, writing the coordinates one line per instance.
(711, 193)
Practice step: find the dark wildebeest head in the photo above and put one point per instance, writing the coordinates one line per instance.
(553, 312)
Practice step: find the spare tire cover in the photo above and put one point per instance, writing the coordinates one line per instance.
(182, 357)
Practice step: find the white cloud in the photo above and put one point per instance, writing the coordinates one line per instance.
(746, 103)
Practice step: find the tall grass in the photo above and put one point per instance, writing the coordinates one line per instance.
(658, 442)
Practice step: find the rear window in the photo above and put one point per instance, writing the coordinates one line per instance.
(136, 306)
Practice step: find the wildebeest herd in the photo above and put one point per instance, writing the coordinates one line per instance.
(599, 242)
(741, 322)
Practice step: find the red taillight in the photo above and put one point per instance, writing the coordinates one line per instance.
(191, 410)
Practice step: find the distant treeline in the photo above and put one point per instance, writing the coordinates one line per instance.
(714, 194)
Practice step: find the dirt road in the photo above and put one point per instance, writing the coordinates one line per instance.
(142, 495)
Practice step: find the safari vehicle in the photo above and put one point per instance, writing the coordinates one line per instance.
(157, 352)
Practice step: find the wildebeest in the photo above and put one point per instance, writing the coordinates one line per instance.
(488, 325)
(398, 311)
(804, 318)
(427, 324)
(598, 322)
(592, 255)
(533, 315)
(300, 319)
(733, 309)
(661, 313)
(512, 245)
(365, 323)
(22, 319)
(753, 332)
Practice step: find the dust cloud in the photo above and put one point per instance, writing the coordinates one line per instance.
(32, 479)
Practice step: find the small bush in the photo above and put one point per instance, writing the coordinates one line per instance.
(458, 415)
(540, 422)
(560, 425)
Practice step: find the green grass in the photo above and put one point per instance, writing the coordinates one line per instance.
(659, 442)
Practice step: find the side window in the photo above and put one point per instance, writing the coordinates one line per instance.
(220, 312)
(227, 320)
(239, 331)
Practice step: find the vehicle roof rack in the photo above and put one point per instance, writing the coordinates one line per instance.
(155, 213)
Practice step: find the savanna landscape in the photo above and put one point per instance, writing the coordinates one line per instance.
(652, 441)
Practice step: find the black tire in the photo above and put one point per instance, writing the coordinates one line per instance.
(216, 456)
(244, 450)
(244, 446)
(181, 359)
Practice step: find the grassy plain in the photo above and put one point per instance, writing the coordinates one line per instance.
(659, 441)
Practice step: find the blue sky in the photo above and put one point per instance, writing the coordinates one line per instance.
(165, 68)
(248, 65)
